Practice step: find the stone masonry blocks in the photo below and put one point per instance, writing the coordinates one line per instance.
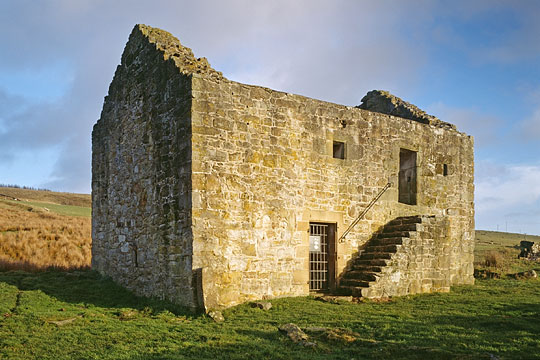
(204, 188)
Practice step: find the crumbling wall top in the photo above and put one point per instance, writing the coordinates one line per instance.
(383, 102)
(182, 56)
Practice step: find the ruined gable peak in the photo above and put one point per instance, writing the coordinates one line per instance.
(383, 102)
(171, 48)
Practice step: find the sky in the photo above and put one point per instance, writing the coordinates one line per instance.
(472, 63)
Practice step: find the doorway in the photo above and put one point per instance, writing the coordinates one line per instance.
(322, 257)
(407, 177)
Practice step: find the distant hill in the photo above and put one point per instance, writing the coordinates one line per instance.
(40, 228)
(60, 198)
(496, 240)
(498, 252)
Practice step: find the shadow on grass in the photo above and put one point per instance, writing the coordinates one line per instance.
(272, 348)
(88, 288)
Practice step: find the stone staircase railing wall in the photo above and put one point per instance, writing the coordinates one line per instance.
(410, 255)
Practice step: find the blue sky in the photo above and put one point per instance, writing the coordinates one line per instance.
(472, 63)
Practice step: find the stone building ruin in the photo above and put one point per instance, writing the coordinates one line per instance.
(209, 193)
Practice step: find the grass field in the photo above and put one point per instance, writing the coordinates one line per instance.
(494, 240)
(41, 229)
(503, 250)
(78, 314)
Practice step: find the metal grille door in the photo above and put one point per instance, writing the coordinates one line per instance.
(318, 257)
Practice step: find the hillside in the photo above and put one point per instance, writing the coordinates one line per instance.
(497, 252)
(40, 229)
(496, 240)
(53, 197)
(46, 228)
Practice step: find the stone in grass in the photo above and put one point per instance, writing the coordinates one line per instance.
(217, 316)
(296, 335)
(63, 322)
(486, 274)
(334, 299)
(531, 274)
(264, 305)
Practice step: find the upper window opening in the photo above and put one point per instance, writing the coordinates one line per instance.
(339, 150)
(407, 177)
(445, 170)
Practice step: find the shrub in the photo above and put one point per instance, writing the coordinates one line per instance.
(494, 259)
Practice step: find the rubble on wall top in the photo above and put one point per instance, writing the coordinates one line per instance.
(383, 102)
(182, 56)
(376, 100)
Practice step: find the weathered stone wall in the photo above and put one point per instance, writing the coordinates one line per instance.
(141, 174)
(263, 170)
(202, 181)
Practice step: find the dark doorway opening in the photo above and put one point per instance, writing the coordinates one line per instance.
(338, 150)
(407, 177)
(322, 257)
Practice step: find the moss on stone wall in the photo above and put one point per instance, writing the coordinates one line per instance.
(204, 188)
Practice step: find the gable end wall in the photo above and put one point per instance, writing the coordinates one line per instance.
(141, 182)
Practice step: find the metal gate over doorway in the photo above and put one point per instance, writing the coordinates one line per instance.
(321, 256)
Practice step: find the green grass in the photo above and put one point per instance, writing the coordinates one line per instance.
(507, 246)
(67, 210)
(499, 317)
(495, 240)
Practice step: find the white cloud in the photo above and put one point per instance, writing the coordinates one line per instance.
(505, 186)
(335, 51)
(508, 194)
(484, 127)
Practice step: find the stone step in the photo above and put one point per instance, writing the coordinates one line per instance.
(355, 291)
(344, 291)
(391, 248)
(386, 235)
(376, 255)
(405, 220)
(360, 275)
(390, 241)
(367, 268)
(371, 262)
(353, 283)
(399, 227)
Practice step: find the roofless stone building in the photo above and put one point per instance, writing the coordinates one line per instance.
(209, 193)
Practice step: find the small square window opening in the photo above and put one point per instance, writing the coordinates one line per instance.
(339, 150)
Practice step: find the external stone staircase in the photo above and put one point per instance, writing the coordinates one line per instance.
(390, 259)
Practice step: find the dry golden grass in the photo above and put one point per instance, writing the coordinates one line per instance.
(33, 239)
(494, 258)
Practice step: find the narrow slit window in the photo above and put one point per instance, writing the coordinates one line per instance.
(339, 150)
(407, 177)
(445, 170)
